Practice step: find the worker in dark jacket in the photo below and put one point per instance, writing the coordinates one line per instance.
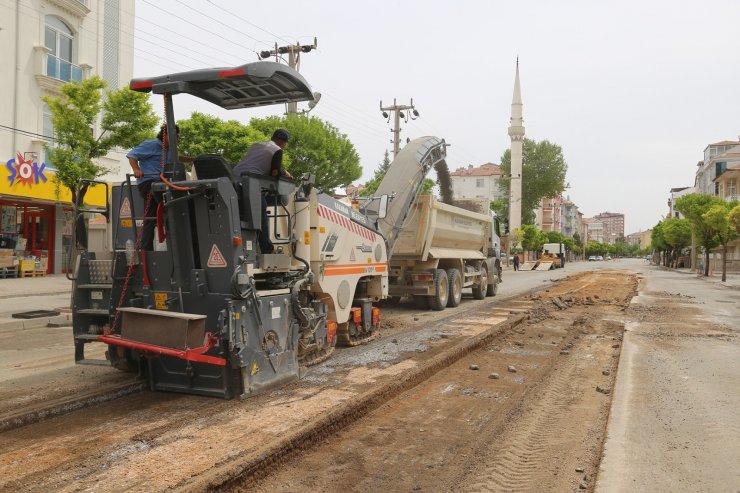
(265, 158)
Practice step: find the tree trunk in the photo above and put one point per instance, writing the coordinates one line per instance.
(724, 262)
(706, 262)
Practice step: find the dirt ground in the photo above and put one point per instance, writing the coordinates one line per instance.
(461, 429)
(525, 413)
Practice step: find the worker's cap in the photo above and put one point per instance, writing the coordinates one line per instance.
(281, 134)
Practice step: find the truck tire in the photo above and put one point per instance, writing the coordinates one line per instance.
(454, 280)
(438, 301)
(479, 290)
(492, 289)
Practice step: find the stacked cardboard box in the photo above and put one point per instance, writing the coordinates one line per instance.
(7, 258)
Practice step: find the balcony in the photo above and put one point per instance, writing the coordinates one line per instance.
(52, 71)
(56, 68)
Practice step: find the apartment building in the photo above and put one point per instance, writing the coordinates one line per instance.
(675, 194)
(480, 182)
(46, 43)
(572, 219)
(613, 226)
(593, 230)
(717, 158)
(549, 215)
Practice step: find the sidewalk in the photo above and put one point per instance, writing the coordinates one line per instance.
(733, 278)
(50, 292)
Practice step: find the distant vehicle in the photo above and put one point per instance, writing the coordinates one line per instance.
(599, 258)
(592, 258)
(608, 257)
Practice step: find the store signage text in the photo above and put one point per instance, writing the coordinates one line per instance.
(25, 171)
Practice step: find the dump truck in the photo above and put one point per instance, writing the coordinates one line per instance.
(210, 314)
(435, 250)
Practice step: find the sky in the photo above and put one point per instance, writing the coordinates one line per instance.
(632, 91)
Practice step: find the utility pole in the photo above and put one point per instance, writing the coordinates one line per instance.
(294, 59)
(398, 115)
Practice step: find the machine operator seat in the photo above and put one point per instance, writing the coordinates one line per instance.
(212, 166)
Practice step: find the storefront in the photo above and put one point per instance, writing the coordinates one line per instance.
(36, 215)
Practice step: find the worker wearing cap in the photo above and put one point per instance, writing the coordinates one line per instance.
(265, 158)
(146, 163)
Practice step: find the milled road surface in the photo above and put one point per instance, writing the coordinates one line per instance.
(529, 427)
(402, 414)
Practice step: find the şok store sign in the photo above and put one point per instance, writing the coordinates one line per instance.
(36, 212)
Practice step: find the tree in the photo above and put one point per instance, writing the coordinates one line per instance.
(693, 206)
(372, 185)
(543, 175)
(206, 134)
(734, 217)
(657, 240)
(676, 234)
(315, 147)
(718, 218)
(127, 120)
(554, 237)
(532, 238)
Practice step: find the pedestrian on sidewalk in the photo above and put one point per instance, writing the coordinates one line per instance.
(516, 261)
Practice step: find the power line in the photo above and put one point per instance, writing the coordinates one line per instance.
(232, 14)
(196, 25)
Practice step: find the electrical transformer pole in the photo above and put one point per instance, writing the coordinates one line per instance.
(398, 115)
(294, 59)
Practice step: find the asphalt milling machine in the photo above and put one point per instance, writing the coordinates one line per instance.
(208, 313)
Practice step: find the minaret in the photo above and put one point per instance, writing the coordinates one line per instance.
(516, 132)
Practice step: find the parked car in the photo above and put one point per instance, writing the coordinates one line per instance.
(592, 258)
(608, 257)
(599, 258)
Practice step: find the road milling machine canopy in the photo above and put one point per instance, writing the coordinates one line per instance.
(206, 312)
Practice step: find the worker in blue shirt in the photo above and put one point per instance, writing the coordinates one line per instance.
(146, 162)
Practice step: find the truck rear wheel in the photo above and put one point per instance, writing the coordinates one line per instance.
(438, 301)
(492, 289)
(454, 280)
(479, 290)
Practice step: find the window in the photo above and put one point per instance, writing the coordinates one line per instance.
(59, 40)
(479, 183)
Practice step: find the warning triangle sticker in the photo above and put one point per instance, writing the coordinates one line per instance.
(125, 208)
(216, 258)
(352, 255)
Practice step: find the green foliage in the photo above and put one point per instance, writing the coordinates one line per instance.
(676, 233)
(594, 248)
(734, 218)
(693, 206)
(570, 244)
(127, 120)
(427, 186)
(372, 185)
(532, 238)
(543, 175)
(554, 237)
(577, 239)
(315, 147)
(206, 134)
(500, 207)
